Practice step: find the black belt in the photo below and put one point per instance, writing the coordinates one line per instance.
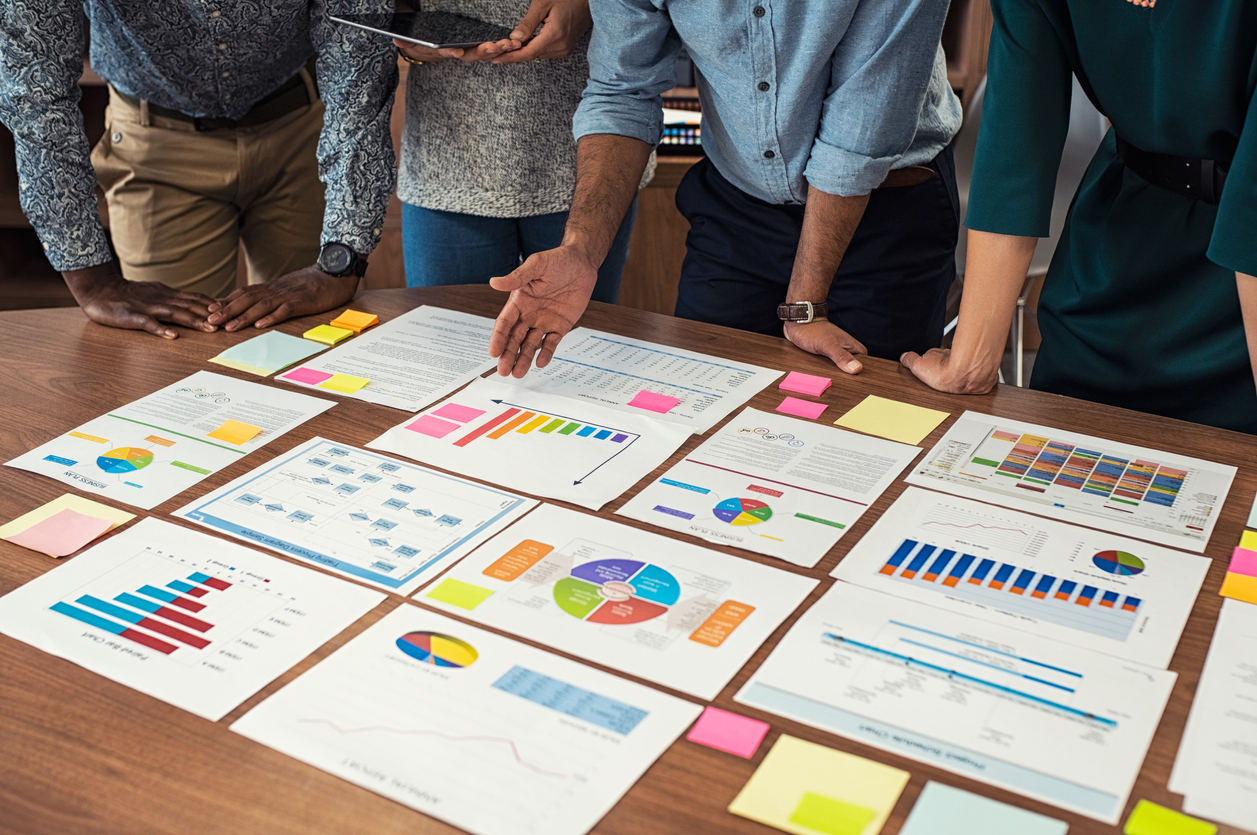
(1191, 177)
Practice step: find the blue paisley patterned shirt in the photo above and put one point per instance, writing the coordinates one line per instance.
(208, 58)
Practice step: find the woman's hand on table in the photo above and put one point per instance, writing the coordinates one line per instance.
(939, 369)
(563, 23)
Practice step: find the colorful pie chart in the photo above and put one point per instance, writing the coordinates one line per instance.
(125, 459)
(617, 592)
(742, 511)
(437, 649)
(1118, 562)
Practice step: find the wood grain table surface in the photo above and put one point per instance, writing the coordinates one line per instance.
(80, 753)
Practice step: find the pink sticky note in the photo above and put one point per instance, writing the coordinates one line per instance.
(802, 408)
(1243, 561)
(462, 414)
(433, 427)
(728, 732)
(652, 402)
(62, 533)
(805, 383)
(307, 375)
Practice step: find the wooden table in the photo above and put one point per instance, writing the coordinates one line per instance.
(79, 753)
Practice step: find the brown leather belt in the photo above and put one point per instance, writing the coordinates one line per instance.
(913, 175)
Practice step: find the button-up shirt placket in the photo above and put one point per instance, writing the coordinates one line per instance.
(763, 51)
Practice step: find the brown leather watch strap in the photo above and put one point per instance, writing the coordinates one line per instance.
(802, 312)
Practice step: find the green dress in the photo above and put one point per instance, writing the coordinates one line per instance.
(1139, 308)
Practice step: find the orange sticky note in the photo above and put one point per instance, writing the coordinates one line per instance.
(235, 432)
(355, 320)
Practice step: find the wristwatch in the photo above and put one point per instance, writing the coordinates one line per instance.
(336, 259)
(802, 312)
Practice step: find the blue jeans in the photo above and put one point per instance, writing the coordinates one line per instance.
(451, 248)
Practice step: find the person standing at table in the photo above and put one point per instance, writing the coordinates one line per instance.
(488, 163)
(1150, 302)
(215, 135)
(829, 181)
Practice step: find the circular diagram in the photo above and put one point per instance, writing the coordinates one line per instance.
(437, 649)
(125, 459)
(616, 591)
(1118, 562)
(742, 511)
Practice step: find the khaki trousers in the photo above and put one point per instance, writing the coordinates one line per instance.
(182, 202)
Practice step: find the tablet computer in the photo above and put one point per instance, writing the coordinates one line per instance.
(438, 30)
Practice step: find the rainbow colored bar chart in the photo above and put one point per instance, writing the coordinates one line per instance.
(1025, 591)
(524, 422)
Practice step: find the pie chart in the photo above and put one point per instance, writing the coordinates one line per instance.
(124, 459)
(437, 649)
(1118, 562)
(742, 511)
(617, 591)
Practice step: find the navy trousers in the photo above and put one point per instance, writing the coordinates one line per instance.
(890, 291)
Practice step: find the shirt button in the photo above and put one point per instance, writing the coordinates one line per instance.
(215, 14)
(226, 96)
(117, 137)
(769, 155)
(375, 231)
(758, 11)
(222, 46)
(763, 86)
(226, 75)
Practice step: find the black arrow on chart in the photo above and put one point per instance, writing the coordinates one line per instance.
(633, 435)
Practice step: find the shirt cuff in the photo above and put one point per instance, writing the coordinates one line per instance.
(78, 248)
(836, 170)
(620, 116)
(360, 240)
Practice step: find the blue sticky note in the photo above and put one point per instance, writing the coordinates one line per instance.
(1252, 514)
(942, 810)
(268, 353)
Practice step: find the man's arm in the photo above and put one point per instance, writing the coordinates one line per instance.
(357, 73)
(550, 290)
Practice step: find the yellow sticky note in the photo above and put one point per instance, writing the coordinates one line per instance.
(1249, 540)
(235, 432)
(344, 383)
(901, 422)
(327, 334)
(1148, 818)
(805, 788)
(355, 320)
(87, 507)
(460, 594)
(1240, 587)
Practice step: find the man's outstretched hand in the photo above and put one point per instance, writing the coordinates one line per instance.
(302, 293)
(549, 292)
(825, 338)
(109, 299)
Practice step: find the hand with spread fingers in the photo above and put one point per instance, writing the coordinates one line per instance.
(828, 340)
(109, 299)
(301, 293)
(549, 292)
(563, 23)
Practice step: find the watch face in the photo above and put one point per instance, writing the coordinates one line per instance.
(336, 259)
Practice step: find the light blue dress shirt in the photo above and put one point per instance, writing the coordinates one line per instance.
(835, 93)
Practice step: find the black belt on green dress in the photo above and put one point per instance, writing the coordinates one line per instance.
(1199, 178)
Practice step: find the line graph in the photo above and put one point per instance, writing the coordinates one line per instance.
(448, 737)
(980, 528)
(978, 525)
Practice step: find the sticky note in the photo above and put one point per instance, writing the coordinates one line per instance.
(355, 320)
(1240, 587)
(1252, 515)
(802, 408)
(431, 426)
(87, 507)
(235, 432)
(462, 414)
(64, 531)
(1249, 541)
(652, 402)
(728, 732)
(1243, 561)
(344, 383)
(327, 334)
(264, 355)
(805, 383)
(460, 594)
(307, 375)
(778, 792)
(943, 810)
(1148, 818)
(884, 418)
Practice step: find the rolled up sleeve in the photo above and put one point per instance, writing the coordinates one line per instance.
(632, 62)
(879, 77)
(41, 60)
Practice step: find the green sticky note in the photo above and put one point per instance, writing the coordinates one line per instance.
(831, 816)
(1148, 818)
(460, 594)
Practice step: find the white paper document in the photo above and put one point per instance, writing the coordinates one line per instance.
(677, 614)
(186, 618)
(365, 515)
(153, 449)
(1216, 768)
(411, 361)
(538, 443)
(1097, 590)
(774, 485)
(1051, 721)
(613, 371)
(485, 733)
(1152, 495)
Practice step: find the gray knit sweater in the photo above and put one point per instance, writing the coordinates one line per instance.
(494, 141)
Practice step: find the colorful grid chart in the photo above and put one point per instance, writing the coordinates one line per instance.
(159, 611)
(1038, 463)
(1020, 590)
(525, 422)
